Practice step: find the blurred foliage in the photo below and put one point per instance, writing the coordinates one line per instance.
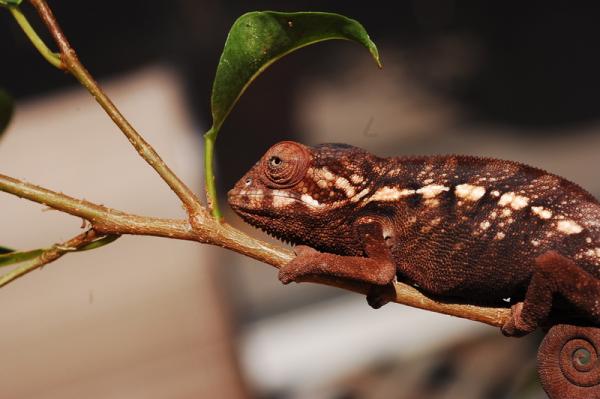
(9, 3)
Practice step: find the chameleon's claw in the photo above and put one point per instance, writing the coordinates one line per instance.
(516, 326)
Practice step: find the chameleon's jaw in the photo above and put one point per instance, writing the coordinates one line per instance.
(257, 218)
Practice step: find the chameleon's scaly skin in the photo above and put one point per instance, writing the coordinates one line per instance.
(478, 229)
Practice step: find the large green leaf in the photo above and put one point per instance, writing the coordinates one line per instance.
(6, 109)
(255, 41)
(258, 39)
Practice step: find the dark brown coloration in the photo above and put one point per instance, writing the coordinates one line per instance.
(478, 230)
(569, 362)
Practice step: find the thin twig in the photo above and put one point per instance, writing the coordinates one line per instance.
(206, 229)
(73, 65)
(49, 255)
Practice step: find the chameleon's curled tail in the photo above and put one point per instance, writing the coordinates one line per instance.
(569, 362)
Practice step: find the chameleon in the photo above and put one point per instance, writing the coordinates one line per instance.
(478, 230)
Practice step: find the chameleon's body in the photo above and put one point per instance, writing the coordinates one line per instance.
(477, 229)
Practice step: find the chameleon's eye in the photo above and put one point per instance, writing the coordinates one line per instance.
(285, 164)
(275, 161)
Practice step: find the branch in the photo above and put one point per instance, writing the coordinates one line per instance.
(72, 64)
(205, 229)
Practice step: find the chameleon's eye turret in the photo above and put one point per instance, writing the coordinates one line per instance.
(285, 164)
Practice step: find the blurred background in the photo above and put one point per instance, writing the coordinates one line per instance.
(156, 318)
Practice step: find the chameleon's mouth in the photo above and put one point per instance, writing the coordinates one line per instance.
(253, 200)
(248, 204)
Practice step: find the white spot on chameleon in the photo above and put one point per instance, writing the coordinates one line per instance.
(361, 194)
(432, 202)
(327, 174)
(568, 227)
(469, 192)
(588, 240)
(310, 201)
(390, 194)
(345, 186)
(356, 179)
(495, 193)
(500, 236)
(506, 199)
(542, 212)
(516, 202)
(506, 212)
(484, 225)
(432, 190)
(535, 243)
(519, 202)
(281, 199)
(322, 183)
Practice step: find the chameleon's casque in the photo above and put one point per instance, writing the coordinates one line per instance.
(478, 229)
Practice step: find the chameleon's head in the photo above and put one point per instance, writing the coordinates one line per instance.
(295, 191)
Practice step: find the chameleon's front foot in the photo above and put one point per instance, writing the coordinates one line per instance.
(516, 326)
(306, 262)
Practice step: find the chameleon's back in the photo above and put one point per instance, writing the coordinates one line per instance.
(473, 226)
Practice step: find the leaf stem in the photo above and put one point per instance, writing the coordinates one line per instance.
(144, 149)
(212, 199)
(50, 56)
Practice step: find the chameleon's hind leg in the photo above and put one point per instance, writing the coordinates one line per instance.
(554, 274)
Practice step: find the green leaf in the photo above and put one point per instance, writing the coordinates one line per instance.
(10, 257)
(6, 109)
(255, 41)
(17, 257)
(258, 39)
(99, 243)
(5, 250)
(10, 3)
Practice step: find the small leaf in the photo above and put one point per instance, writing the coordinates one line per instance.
(99, 242)
(17, 257)
(6, 109)
(258, 39)
(4, 250)
(10, 3)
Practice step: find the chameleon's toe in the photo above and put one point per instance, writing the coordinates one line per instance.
(286, 275)
(304, 251)
(516, 326)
